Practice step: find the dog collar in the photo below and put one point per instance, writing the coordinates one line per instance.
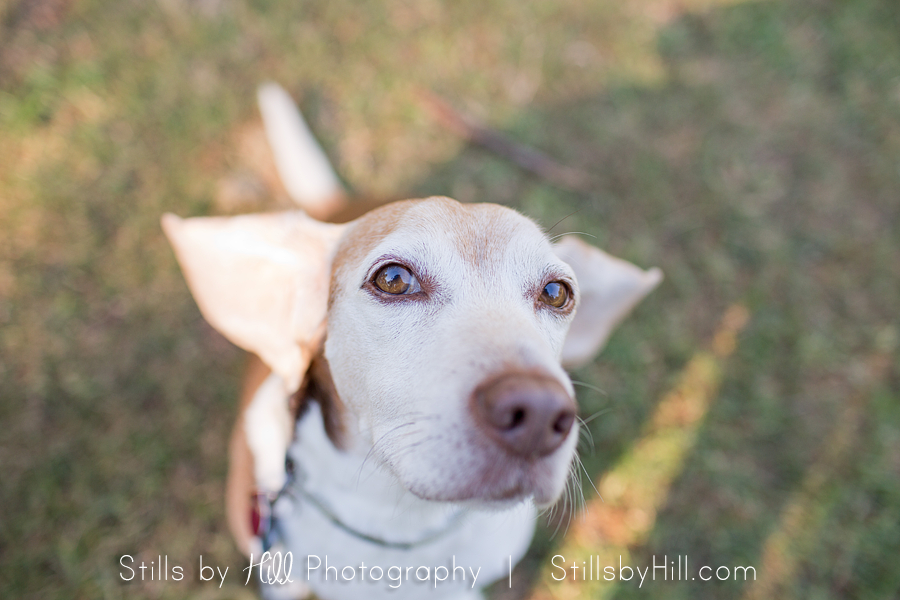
(426, 538)
(265, 523)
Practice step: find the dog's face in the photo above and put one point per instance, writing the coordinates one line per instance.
(445, 329)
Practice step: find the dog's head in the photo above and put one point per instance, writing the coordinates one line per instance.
(445, 326)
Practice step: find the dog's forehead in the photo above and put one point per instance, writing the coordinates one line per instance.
(437, 230)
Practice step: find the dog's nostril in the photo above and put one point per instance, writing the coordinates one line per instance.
(563, 423)
(518, 417)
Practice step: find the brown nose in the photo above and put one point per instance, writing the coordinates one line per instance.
(528, 415)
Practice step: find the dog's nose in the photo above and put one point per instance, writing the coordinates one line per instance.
(528, 415)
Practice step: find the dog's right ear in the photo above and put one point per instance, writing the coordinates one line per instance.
(261, 280)
(609, 287)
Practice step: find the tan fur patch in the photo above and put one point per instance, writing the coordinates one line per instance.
(476, 239)
(362, 236)
(240, 486)
(319, 387)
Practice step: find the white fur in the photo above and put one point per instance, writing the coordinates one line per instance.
(267, 424)
(303, 167)
(366, 496)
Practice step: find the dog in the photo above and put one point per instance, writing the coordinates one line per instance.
(408, 408)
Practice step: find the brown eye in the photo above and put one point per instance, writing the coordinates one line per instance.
(555, 294)
(396, 280)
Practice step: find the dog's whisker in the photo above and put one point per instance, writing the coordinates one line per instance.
(417, 415)
(590, 387)
(588, 475)
(406, 449)
(567, 506)
(583, 508)
(381, 439)
(400, 452)
(579, 488)
(548, 512)
(578, 495)
(570, 490)
(409, 447)
(556, 511)
(558, 520)
(573, 485)
(556, 237)
(573, 213)
(551, 512)
(599, 413)
(585, 433)
(545, 512)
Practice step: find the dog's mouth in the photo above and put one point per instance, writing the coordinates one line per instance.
(538, 480)
(498, 481)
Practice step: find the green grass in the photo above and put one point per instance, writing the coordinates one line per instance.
(751, 150)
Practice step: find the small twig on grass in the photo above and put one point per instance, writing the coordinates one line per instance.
(528, 158)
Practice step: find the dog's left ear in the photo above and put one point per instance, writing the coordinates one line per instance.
(609, 288)
(261, 280)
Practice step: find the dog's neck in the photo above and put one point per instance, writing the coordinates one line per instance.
(348, 508)
(350, 485)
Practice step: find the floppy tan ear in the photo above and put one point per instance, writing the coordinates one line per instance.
(609, 288)
(260, 280)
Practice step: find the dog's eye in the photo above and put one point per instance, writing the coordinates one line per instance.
(396, 280)
(555, 294)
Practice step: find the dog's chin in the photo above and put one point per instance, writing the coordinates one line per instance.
(497, 487)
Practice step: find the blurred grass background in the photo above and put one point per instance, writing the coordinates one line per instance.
(750, 149)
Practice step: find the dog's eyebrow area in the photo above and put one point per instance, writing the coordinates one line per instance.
(437, 250)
